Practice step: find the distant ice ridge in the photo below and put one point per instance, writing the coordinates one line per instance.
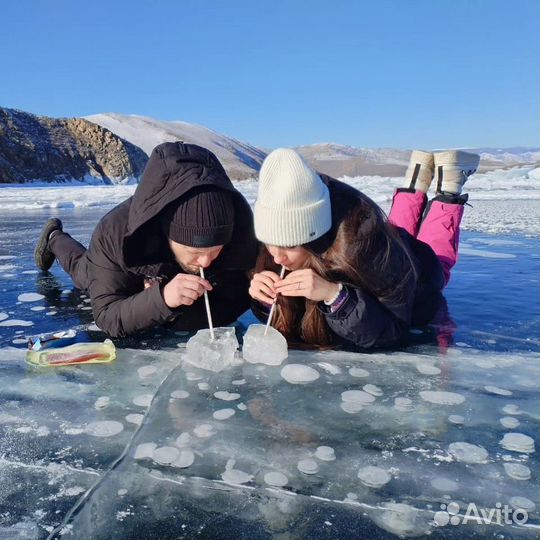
(504, 201)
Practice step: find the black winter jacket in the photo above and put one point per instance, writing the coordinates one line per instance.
(412, 298)
(129, 248)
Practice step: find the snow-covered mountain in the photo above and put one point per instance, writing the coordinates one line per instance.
(241, 160)
(340, 160)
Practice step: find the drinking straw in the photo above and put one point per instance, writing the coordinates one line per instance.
(207, 304)
(273, 308)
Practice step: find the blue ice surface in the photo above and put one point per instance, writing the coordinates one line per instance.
(493, 296)
(57, 480)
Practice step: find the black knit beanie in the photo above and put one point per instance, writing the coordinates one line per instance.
(204, 217)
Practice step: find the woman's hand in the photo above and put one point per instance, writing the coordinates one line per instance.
(262, 288)
(184, 289)
(307, 283)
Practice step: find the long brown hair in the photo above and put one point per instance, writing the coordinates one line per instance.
(362, 250)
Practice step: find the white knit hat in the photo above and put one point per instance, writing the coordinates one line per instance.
(293, 203)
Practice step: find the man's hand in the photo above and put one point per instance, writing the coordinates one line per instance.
(308, 284)
(184, 289)
(261, 287)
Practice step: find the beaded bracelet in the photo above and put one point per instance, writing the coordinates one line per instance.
(340, 300)
(335, 297)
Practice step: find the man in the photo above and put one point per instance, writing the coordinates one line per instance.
(142, 266)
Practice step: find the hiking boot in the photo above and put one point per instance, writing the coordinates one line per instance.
(453, 169)
(43, 256)
(420, 171)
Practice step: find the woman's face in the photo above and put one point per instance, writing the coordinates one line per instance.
(291, 258)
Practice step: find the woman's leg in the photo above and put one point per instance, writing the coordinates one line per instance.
(407, 209)
(440, 227)
(409, 202)
(440, 230)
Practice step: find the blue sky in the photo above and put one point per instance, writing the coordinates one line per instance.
(396, 73)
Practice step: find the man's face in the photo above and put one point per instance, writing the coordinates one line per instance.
(192, 258)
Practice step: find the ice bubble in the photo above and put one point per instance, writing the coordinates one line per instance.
(184, 439)
(518, 442)
(184, 460)
(16, 322)
(146, 371)
(226, 396)
(269, 349)
(19, 341)
(3, 316)
(241, 406)
(456, 419)
(106, 428)
(358, 372)
(42, 431)
(372, 389)
(308, 466)
(498, 391)
(325, 453)
(38, 308)
(426, 368)
(444, 484)
(102, 402)
(351, 407)
(374, 477)
(517, 471)
(522, 503)
(485, 364)
(30, 297)
(122, 492)
(236, 476)
(238, 382)
(213, 355)
(442, 398)
(203, 386)
(179, 394)
(136, 419)
(509, 422)
(329, 368)
(357, 396)
(203, 431)
(403, 404)
(143, 400)
(223, 414)
(276, 479)
(299, 374)
(511, 408)
(400, 519)
(468, 453)
(165, 455)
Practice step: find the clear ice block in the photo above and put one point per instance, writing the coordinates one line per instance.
(260, 349)
(213, 355)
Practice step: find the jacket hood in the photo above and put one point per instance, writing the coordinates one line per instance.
(171, 172)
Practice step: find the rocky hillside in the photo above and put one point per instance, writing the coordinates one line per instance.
(241, 160)
(59, 150)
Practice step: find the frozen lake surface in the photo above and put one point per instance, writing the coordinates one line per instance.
(394, 443)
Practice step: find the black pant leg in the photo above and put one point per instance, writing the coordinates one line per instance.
(72, 257)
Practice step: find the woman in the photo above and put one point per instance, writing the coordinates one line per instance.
(352, 276)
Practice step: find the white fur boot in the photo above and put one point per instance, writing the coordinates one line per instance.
(420, 171)
(452, 169)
